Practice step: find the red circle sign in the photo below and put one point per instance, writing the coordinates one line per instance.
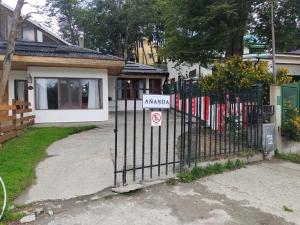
(156, 117)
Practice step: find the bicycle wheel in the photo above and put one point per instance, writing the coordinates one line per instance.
(3, 197)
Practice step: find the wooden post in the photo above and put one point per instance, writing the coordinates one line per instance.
(14, 113)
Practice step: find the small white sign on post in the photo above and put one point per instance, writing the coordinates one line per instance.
(156, 101)
(156, 118)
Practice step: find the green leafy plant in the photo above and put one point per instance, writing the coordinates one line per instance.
(292, 157)
(217, 168)
(235, 73)
(291, 123)
(283, 76)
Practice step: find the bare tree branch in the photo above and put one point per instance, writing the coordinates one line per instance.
(7, 62)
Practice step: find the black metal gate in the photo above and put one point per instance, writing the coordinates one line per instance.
(199, 126)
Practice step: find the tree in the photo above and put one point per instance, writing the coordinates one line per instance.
(203, 30)
(198, 31)
(113, 26)
(7, 62)
(66, 12)
(287, 19)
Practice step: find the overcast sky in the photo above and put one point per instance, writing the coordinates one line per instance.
(31, 7)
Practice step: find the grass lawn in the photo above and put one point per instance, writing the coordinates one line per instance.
(20, 156)
(292, 157)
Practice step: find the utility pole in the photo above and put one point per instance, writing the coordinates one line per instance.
(273, 42)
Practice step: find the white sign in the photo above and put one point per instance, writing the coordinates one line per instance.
(156, 118)
(156, 101)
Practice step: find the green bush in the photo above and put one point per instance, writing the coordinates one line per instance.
(291, 123)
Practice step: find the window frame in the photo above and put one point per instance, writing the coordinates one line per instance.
(25, 89)
(151, 91)
(131, 89)
(100, 86)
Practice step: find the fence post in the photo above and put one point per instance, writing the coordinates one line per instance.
(14, 114)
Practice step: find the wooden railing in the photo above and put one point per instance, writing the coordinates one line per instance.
(14, 118)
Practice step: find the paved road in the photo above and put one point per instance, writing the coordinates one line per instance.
(251, 196)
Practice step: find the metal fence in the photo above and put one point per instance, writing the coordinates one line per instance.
(198, 126)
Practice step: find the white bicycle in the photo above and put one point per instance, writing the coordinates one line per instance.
(4, 198)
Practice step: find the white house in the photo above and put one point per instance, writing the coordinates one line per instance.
(66, 83)
(62, 83)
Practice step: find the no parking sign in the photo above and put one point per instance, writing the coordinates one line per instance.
(156, 118)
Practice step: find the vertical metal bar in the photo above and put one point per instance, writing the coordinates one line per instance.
(225, 123)
(143, 142)
(116, 132)
(205, 126)
(234, 123)
(167, 142)
(190, 124)
(220, 131)
(175, 127)
(247, 128)
(216, 126)
(230, 123)
(243, 118)
(125, 139)
(159, 149)
(200, 120)
(251, 121)
(134, 133)
(239, 122)
(151, 152)
(184, 123)
(182, 144)
(258, 116)
(197, 126)
(210, 124)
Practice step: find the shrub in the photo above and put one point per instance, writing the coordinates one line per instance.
(236, 73)
(283, 76)
(291, 123)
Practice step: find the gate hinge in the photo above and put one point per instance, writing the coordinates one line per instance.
(115, 130)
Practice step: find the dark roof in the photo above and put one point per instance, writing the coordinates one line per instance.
(55, 50)
(38, 25)
(132, 68)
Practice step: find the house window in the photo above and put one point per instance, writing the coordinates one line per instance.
(68, 93)
(131, 88)
(39, 36)
(193, 73)
(28, 33)
(21, 90)
(155, 86)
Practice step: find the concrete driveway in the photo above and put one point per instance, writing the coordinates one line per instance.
(78, 165)
(255, 195)
(83, 164)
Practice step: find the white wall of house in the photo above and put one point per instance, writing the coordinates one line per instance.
(64, 115)
(130, 103)
(185, 68)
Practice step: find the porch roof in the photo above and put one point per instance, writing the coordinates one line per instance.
(132, 68)
(41, 54)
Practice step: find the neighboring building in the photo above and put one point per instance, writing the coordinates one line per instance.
(146, 52)
(66, 83)
(187, 70)
(29, 31)
(252, 48)
(135, 80)
(290, 60)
